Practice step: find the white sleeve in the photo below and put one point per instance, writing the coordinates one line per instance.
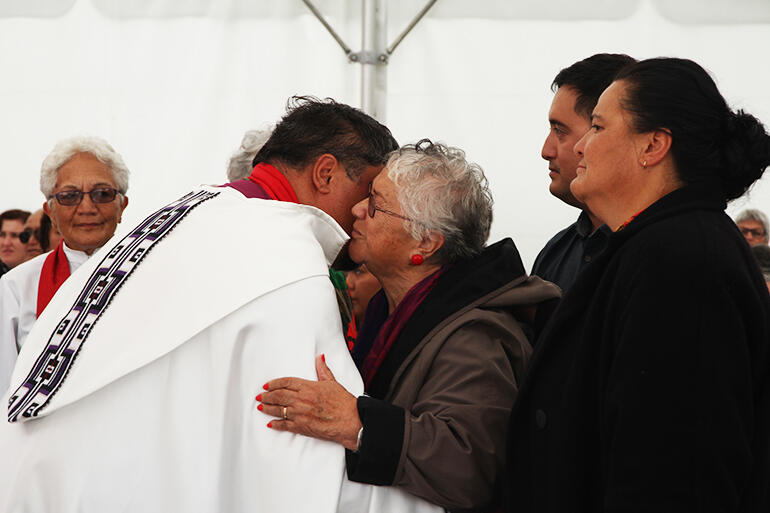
(9, 324)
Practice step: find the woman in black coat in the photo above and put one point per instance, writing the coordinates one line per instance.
(650, 389)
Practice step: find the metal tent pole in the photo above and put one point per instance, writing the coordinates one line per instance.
(375, 54)
(374, 74)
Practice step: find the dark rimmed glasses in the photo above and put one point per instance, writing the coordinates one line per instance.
(372, 208)
(74, 197)
(755, 232)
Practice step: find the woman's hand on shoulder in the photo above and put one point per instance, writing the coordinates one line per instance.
(320, 409)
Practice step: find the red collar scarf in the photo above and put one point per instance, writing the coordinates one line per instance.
(56, 269)
(391, 328)
(273, 183)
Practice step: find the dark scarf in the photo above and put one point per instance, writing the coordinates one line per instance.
(381, 330)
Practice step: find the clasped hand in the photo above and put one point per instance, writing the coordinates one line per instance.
(320, 409)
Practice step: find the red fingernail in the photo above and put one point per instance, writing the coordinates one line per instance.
(265, 386)
(323, 357)
(269, 424)
(259, 397)
(259, 407)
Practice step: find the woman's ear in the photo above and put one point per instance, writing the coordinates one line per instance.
(122, 208)
(430, 243)
(655, 147)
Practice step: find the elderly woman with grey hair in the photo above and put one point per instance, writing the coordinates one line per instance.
(443, 346)
(84, 181)
(754, 225)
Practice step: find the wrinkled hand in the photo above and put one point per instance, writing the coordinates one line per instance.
(320, 409)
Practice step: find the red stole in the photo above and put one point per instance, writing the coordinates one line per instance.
(56, 269)
(273, 182)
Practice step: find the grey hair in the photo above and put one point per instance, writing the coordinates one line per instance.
(240, 164)
(752, 214)
(439, 190)
(68, 148)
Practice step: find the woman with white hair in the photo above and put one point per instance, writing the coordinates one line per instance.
(753, 225)
(441, 350)
(84, 181)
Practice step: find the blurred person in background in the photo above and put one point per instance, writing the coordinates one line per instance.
(240, 164)
(39, 234)
(12, 250)
(84, 181)
(362, 285)
(31, 234)
(754, 225)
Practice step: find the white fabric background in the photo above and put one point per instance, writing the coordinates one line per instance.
(173, 84)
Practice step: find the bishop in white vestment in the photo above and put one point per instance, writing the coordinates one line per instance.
(135, 389)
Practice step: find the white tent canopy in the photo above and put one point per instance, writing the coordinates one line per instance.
(173, 84)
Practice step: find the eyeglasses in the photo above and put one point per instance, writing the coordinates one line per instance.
(74, 197)
(373, 207)
(755, 232)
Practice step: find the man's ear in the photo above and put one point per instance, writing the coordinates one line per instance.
(657, 144)
(430, 243)
(47, 210)
(123, 207)
(322, 172)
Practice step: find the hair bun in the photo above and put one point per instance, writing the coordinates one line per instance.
(746, 152)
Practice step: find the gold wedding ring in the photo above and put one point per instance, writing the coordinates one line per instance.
(285, 416)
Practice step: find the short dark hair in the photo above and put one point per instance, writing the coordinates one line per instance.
(14, 214)
(312, 127)
(710, 143)
(590, 77)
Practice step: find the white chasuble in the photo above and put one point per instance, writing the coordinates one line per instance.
(134, 391)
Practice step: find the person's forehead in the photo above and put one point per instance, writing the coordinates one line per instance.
(562, 111)
(84, 168)
(11, 225)
(34, 219)
(609, 99)
(564, 98)
(370, 173)
(382, 183)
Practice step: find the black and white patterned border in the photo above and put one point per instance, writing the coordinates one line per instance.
(53, 364)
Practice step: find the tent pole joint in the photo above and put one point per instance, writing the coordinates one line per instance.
(369, 57)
